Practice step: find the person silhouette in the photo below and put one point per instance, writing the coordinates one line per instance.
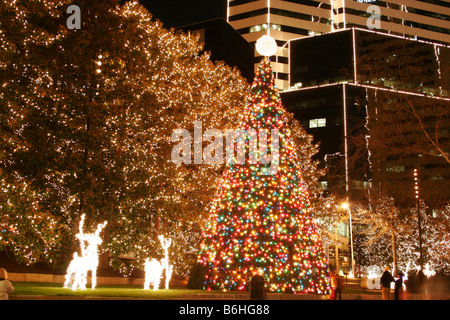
(6, 286)
(385, 281)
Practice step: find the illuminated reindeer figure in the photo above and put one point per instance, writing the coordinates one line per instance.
(76, 275)
(154, 269)
(153, 273)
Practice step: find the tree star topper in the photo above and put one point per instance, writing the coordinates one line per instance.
(266, 46)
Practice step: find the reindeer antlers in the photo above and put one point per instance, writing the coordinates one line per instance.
(100, 227)
(165, 243)
(80, 227)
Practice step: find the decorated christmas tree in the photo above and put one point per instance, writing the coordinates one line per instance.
(260, 220)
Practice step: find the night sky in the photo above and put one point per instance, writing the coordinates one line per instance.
(175, 13)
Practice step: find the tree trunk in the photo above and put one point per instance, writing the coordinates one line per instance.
(394, 253)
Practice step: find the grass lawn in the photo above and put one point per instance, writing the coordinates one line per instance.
(57, 290)
(52, 289)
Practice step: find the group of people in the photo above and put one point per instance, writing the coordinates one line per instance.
(385, 281)
(337, 285)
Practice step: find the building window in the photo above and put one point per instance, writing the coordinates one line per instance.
(342, 229)
(250, 14)
(318, 123)
(264, 26)
(239, 2)
(395, 169)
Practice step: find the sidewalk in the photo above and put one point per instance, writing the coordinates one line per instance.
(271, 297)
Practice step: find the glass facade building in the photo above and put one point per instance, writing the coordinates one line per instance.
(286, 20)
(345, 88)
(353, 82)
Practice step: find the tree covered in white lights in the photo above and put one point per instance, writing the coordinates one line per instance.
(435, 227)
(388, 235)
(86, 118)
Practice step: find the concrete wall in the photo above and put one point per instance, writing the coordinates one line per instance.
(56, 278)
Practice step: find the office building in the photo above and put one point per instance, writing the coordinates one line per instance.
(291, 19)
(350, 90)
(345, 84)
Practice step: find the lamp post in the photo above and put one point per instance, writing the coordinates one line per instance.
(336, 247)
(346, 206)
(416, 187)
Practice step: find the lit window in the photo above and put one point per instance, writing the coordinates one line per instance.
(255, 28)
(276, 27)
(435, 213)
(264, 26)
(395, 169)
(343, 229)
(318, 123)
